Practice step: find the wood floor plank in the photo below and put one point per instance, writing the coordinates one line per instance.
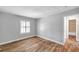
(33, 44)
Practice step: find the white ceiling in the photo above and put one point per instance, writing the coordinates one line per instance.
(35, 11)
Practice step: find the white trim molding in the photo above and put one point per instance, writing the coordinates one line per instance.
(29, 37)
(72, 33)
(16, 40)
(51, 39)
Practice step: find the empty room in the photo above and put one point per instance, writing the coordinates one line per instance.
(39, 28)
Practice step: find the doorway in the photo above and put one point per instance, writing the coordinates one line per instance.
(70, 28)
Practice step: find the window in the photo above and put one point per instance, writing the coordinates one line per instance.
(25, 26)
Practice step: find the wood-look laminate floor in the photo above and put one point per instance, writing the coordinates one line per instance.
(72, 37)
(33, 44)
(71, 44)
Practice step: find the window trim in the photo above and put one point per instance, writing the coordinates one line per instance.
(25, 27)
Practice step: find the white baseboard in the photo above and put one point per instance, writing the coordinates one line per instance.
(16, 40)
(29, 37)
(72, 33)
(50, 39)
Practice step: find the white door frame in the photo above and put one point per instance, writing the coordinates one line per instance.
(66, 26)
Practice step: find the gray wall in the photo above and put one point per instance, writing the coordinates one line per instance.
(10, 27)
(52, 26)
